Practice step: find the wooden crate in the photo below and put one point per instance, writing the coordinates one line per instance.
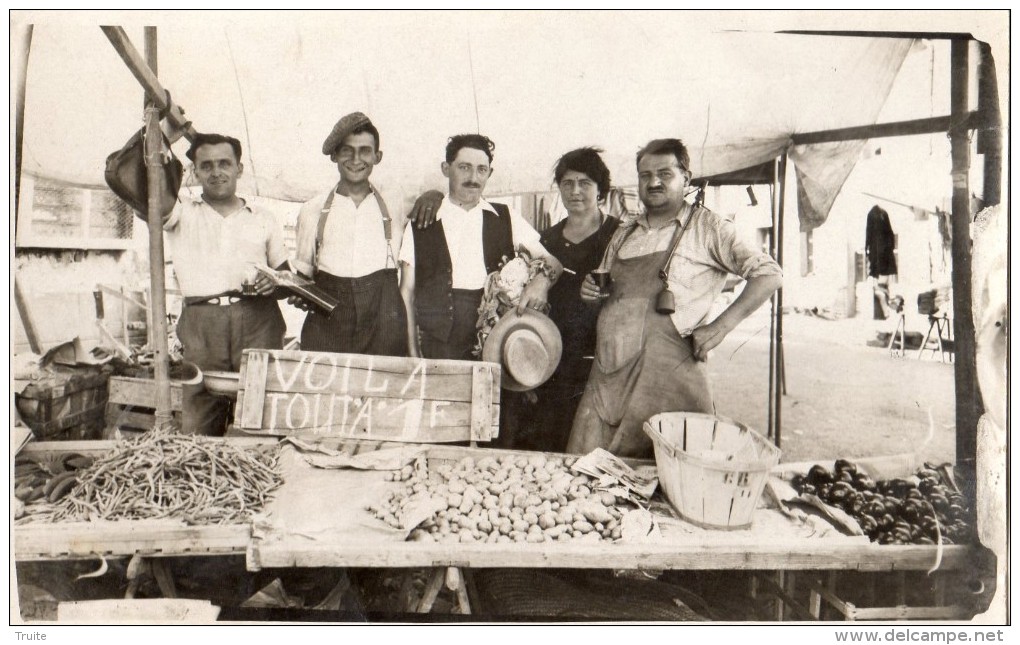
(132, 402)
(358, 396)
(67, 406)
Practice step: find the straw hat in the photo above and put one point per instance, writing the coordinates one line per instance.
(528, 346)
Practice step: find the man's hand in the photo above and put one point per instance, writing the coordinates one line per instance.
(264, 286)
(300, 303)
(425, 208)
(707, 337)
(535, 295)
(590, 291)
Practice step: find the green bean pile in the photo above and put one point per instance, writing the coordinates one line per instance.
(201, 480)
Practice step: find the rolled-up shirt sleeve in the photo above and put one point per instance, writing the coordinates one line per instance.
(307, 226)
(525, 236)
(735, 254)
(276, 252)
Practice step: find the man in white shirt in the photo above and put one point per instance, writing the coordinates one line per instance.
(444, 266)
(215, 239)
(345, 242)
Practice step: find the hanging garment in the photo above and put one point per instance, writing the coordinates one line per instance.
(880, 244)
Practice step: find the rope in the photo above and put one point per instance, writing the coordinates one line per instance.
(244, 113)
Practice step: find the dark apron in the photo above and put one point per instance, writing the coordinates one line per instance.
(370, 318)
(642, 366)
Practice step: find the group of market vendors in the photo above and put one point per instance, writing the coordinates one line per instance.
(411, 284)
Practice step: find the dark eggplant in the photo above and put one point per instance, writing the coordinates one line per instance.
(843, 465)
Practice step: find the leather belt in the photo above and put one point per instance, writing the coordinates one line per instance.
(221, 300)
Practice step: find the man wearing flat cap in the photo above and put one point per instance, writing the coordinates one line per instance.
(345, 241)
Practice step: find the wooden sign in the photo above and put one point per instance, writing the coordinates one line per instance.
(367, 397)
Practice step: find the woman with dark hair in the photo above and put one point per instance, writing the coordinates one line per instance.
(578, 242)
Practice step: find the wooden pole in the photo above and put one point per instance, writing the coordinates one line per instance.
(19, 113)
(989, 137)
(780, 375)
(968, 406)
(157, 272)
(932, 125)
(146, 76)
(773, 236)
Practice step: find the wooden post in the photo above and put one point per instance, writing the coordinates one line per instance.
(989, 141)
(968, 406)
(157, 271)
(19, 113)
(777, 379)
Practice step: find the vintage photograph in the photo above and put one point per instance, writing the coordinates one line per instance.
(510, 317)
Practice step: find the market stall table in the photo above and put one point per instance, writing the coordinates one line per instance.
(317, 518)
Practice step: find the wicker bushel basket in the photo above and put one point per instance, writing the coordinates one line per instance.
(713, 470)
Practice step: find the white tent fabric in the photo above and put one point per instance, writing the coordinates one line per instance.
(537, 84)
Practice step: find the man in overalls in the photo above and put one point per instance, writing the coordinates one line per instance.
(667, 267)
(444, 266)
(345, 241)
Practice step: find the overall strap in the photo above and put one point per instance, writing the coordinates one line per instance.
(386, 220)
(321, 226)
(387, 223)
(677, 236)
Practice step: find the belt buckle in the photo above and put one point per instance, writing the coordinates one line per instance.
(225, 301)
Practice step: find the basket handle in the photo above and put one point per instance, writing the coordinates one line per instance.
(656, 436)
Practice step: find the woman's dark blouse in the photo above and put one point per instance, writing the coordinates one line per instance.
(575, 318)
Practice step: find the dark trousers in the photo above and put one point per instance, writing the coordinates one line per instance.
(370, 318)
(463, 337)
(214, 337)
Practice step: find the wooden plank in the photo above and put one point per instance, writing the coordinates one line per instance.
(83, 539)
(363, 375)
(752, 555)
(481, 403)
(141, 392)
(914, 613)
(40, 449)
(253, 376)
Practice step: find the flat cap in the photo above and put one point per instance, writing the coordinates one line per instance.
(343, 127)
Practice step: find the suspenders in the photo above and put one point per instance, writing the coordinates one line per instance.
(386, 221)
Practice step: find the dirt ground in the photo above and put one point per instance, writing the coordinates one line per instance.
(843, 397)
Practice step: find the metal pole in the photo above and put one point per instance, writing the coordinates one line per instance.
(968, 405)
(157, 272)
(780, 376)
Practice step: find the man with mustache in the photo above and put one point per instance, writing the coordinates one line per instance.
(215, 239)
(444, 266)
(667, 267)
(345, 241)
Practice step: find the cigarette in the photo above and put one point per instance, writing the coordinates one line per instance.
(569, 271)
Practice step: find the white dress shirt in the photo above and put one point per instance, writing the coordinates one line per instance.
(214, 253)
(353, 241)
(463, 231)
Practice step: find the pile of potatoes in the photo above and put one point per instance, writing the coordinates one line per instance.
(504, 499)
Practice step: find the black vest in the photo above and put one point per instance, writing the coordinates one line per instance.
(433, 270)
